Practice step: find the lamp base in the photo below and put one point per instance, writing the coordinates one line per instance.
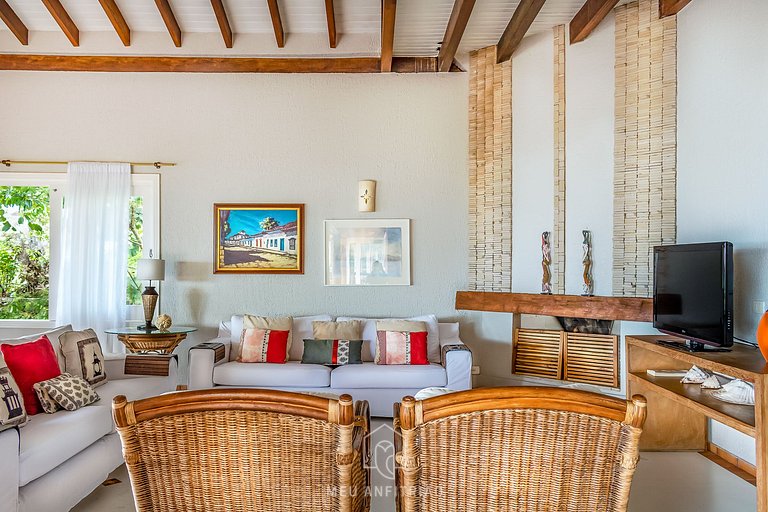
(149, 301)
(147, 328)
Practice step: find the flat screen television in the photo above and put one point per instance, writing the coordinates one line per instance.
(693, 293)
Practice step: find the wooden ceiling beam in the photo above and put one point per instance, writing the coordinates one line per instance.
(517, 28)
(170, 21)
(330, 15)
(462, 9)
(223, 21)
(671, 7)
(64, 21)
(388, 14)
(116, 64)
(14, 23)
(277, 23)
(589, 17)
(118, 21)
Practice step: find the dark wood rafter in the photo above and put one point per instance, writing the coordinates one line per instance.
(518, 26)
(277, 23)
(388, 14)
(462, 10)
(223, 21)
(576, 306)
(14, 23)
(170, 21)
(99, 63)
(63, 20)
(589, 17)
(330, 15)
(671, 7)
(118, 21)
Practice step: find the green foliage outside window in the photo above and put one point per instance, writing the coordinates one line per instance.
(24, 252)
(135, 247)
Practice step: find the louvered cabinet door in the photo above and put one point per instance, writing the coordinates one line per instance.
(592, 358)
(538, 352)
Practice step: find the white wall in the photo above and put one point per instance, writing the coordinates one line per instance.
(722, 152)
(269, 138)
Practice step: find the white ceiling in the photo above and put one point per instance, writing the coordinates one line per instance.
(419, 27)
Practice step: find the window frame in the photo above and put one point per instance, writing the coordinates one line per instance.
(146, 185)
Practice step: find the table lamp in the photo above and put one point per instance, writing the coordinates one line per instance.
(149, 270)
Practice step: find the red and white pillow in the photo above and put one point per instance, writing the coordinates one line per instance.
(401, 342)
(263, 346)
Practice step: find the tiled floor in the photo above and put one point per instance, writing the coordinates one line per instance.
(664, 482)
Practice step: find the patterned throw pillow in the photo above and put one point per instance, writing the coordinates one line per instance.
(349, 330)
(49, 405)
(401, 342)
(332, 352)
(70, 391)
(263, 346)
(83, 356)
(12, 413)
(267, 323)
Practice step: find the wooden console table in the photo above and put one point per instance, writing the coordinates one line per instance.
(677, 413)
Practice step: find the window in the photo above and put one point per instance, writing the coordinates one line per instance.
(30, 220)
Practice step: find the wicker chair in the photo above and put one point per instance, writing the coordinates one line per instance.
(522, 449)
(245, 449)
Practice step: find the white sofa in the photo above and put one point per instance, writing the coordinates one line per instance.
(380, 385)
(56, 460)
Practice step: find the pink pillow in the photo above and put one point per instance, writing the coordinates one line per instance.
(29, 364)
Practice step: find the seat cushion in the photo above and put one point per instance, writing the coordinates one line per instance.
(48, 440)
(371, 375)
(133, 388)
(290, 374)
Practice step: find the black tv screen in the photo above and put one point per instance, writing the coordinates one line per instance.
(693, 292)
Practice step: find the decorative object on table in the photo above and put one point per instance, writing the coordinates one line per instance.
(332, 352)
(401, 342)
(258, 238)
(712, 382)
(367, 252)
(762, 335)
(586, 244)
(366, 196)
(736, 391)
(70, 392)
(695, 376)
(160, 342)
(546, 263)
(149, 269)
(83, 356)
(12, 413)
(164, 322)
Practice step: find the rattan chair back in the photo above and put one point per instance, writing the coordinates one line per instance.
(245, 449)
(522, 449)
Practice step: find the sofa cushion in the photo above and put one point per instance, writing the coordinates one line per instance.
(371, 375)
(53, 337)
(301, 330)
(290, 374)
(369, 335)
(50, 439)
(133, 389)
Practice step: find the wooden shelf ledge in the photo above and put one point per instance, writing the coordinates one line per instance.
(576, 306)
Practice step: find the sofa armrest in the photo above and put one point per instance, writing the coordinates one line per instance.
(457, 360)
(203, 358)
(9, 483)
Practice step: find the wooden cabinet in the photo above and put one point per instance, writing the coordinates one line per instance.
(571, 356)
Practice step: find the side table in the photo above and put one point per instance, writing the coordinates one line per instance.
(140, 341)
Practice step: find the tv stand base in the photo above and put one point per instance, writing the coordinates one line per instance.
(691, 346)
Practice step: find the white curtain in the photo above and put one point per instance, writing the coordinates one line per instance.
(94, 249)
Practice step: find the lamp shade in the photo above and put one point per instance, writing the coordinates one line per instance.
(150, 270)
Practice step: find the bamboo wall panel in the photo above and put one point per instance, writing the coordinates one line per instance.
(591, 358)
(558, 233)
(538, 352)
(490, 172)
(645, 159)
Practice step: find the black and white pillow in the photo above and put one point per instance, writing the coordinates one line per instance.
(69, 391)
(83, 356)
(49, 405)
(12, 412)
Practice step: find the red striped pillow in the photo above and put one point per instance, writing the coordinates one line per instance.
(401, 347)
(263, 346)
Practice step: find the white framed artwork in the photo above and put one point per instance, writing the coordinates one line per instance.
(374, 252)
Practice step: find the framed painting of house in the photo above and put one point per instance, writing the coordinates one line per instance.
(258, 238)
(367, 252)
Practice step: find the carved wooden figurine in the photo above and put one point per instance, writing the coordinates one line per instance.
(546, 262)
(589, 285)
